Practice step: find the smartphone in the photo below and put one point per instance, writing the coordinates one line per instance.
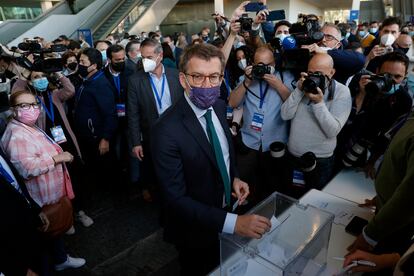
(253, 7)
(356, 225)
(276, 15)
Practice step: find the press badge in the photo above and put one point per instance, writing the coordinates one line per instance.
(298, 178)
(58, 134)
(229, 113)
(120, 110)
(257, 121)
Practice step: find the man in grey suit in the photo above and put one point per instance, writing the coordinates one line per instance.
(151, 91)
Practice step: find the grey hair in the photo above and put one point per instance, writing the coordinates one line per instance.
(152, 43)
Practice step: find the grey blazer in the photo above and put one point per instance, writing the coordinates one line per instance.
(141, 103)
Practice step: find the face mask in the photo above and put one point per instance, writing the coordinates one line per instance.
(410, 82)
(324, 48)
(238, 45)
(149, 64)
(394, 88)
(40, 84)
(202, 97)
(205, 38)
(411, 33)
(272, 70)
(387, 39)
(404, 50)
(28, 117)
(104, 58)
(83, 70)
(373, 30)
(281, 37)
(347, 35)
(118, 66)
(72, 66)
(242, 64)
(362, 33)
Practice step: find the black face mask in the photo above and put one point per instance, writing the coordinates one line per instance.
(72, 66)
(404, 50)
(83, 70)
(118, 66)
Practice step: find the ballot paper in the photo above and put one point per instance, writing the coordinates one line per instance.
(342, 216)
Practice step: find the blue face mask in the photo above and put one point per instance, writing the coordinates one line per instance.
(410, 82)
(411, 33)
(362, 33)
(393, 89)
(40, 84)
(104, 58)
(347, 35)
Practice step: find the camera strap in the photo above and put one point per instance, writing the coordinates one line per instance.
(331, 89)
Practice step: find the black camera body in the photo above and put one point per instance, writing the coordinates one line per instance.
(259, 70)
(312, 82)
(245, 22)
(41, 63)
(379, 84)
(306, 32)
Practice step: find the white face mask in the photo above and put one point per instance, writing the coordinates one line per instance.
(149, 64)
(281, 37)
(242, 64)
(238, 45)
(387, 39)
(272, 70)
(325, 48)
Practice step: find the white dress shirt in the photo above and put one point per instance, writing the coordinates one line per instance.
(230, 221)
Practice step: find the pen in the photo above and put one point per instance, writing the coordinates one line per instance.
(357, 262)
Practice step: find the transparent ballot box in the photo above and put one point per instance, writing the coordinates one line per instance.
(297, 243)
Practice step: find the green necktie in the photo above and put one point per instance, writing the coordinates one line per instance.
(214, 141)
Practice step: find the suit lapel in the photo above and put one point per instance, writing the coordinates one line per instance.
(148, 90)
(194, 127)
(174, 91)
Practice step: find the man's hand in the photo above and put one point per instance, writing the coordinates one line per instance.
(45, 222)
(360, 243)
(314, 48)
(138, 151)
(382, 261)
(369, 203)
(376, 51)
(103, 146)
(315, 98)
(299, 83)
(239, 11)
(248, 75)
(252, 226)
(235, 27)
(260, 18)
(365, 79)
(241, 190)
(272, 80)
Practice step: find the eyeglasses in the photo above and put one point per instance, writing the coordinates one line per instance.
(26, 106)
(199, 79)
(329, 37)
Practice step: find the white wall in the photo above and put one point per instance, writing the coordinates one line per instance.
(153, 16)
(299, 6)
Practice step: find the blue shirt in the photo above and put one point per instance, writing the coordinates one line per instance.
(166, 97)
(274, 127)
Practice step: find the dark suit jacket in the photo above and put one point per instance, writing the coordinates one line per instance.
(19, 240)
(141, 103)
(177, 55)
(189, 177)
(124, 76)
(131, 66)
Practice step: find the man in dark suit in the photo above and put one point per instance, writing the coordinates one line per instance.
(20, 217)
(133, 53)
(151, 91)
(176, 51)
(195, 165)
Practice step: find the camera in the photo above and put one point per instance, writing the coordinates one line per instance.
(41, 63)
(259, 70)
(307, 31)
(356, 153)
(312, 82)
(379, 84)
(245, 23)
(307, 162)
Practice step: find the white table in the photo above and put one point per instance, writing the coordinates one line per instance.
(351, 185)
(344, 192)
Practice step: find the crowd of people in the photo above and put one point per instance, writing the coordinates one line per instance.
(198, 122)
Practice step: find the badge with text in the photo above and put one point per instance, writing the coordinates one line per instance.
(120, 110)
(257, 121)
(58, 134)
(229, 113)
(298, 178)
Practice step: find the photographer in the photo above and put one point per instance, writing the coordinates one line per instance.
(380, 105)
(346, 62)
(318, 109)
(261, 95)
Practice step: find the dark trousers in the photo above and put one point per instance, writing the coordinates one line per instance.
(76, 171)
(148, 176)
(261, 171)
(198, 261)
(314, 179)
(56, 254)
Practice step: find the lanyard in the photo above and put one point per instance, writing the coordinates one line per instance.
(80, 91)
(5, 174)
(159, 98)
(50, 113)
(227, 83)
(117, 81)
(263, 94)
